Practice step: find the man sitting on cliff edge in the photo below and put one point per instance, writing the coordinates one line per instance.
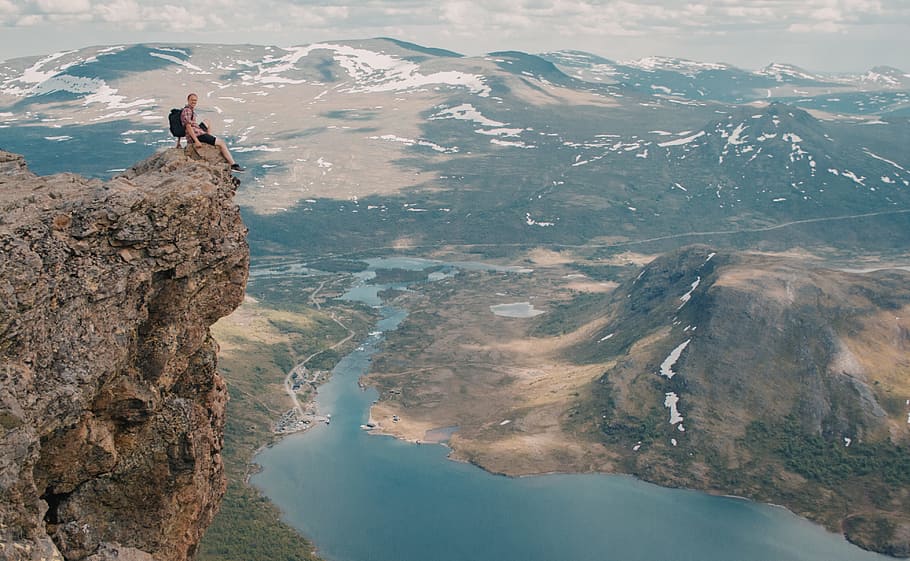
(198, 132)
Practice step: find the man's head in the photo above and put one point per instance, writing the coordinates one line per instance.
(192, 99)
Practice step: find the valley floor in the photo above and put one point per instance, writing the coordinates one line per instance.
(455, 363)
(271, 336)
(500, 391)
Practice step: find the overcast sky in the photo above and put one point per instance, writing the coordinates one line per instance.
(821, 35)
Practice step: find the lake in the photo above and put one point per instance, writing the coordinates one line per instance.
(362, 497)
(516, 310)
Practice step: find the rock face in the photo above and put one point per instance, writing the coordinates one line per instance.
(111, 408)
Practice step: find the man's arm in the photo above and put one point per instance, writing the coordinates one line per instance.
(189, 124)
(190, 133)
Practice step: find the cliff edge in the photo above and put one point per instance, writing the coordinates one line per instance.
(111, 408)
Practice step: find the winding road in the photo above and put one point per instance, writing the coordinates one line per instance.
(300, 368)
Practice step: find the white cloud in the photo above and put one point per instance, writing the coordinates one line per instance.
(120, 11)
(816, 27)
(63, 6)
(7, 8)
(313, 16)
(138, 15)
(513, 18)
(31, 20)
(460, 13)
(833, 16)
(704, 29)
(178, 17)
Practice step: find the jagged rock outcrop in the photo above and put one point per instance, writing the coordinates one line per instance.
(111, 408)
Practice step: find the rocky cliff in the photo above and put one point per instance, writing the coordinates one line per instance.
(111, 408)
(764, 376)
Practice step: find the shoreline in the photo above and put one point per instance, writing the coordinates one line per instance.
(381, 413)
(453, 455)
(707, 491)
(378, 431)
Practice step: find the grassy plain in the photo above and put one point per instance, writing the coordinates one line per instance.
(453, 362)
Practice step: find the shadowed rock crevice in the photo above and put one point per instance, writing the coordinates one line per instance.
(111, 407)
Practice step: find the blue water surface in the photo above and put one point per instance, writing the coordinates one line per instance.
(362, 497)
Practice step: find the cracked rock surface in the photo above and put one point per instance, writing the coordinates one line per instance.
(111, 407)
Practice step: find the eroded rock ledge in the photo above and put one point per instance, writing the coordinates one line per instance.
(111, 408)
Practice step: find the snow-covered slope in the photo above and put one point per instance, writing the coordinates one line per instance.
(563, 145)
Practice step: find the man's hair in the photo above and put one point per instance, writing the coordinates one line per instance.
(191, 94)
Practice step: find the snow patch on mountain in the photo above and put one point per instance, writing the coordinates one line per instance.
(259, 148)
(58, 83)
(855, 178)
(671, 400)
(465, 112)
(416, 142)
(685, 67)
(39, 80)
(35, 74)
(511, 143)
(883, 76)
(666, 367)
(108, 96)
(45, 78)
(178, 61)
(532, 222)
(500, 132)
(688, 295)
(887, 161)
(681, 141)
(786, 73)
(379, 72)
(736, 137)
(183, 52)
(876, 78)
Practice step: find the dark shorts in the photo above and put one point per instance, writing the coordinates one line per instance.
(207, 138)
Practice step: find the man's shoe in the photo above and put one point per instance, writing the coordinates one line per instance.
(237, 167)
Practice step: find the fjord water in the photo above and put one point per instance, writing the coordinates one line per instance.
(374, 498)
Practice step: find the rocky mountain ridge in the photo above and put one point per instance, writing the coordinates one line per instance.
(767, 377)
(111, 408)
(422, 147)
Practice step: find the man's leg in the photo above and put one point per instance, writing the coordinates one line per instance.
(224, 151)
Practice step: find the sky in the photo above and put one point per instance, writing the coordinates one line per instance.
(818, 35)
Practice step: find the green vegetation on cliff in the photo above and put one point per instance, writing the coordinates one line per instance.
(826, 461)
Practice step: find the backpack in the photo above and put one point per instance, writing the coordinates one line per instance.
(177, 128)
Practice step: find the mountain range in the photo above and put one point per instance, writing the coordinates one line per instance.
(558, 148)
(776, 342)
